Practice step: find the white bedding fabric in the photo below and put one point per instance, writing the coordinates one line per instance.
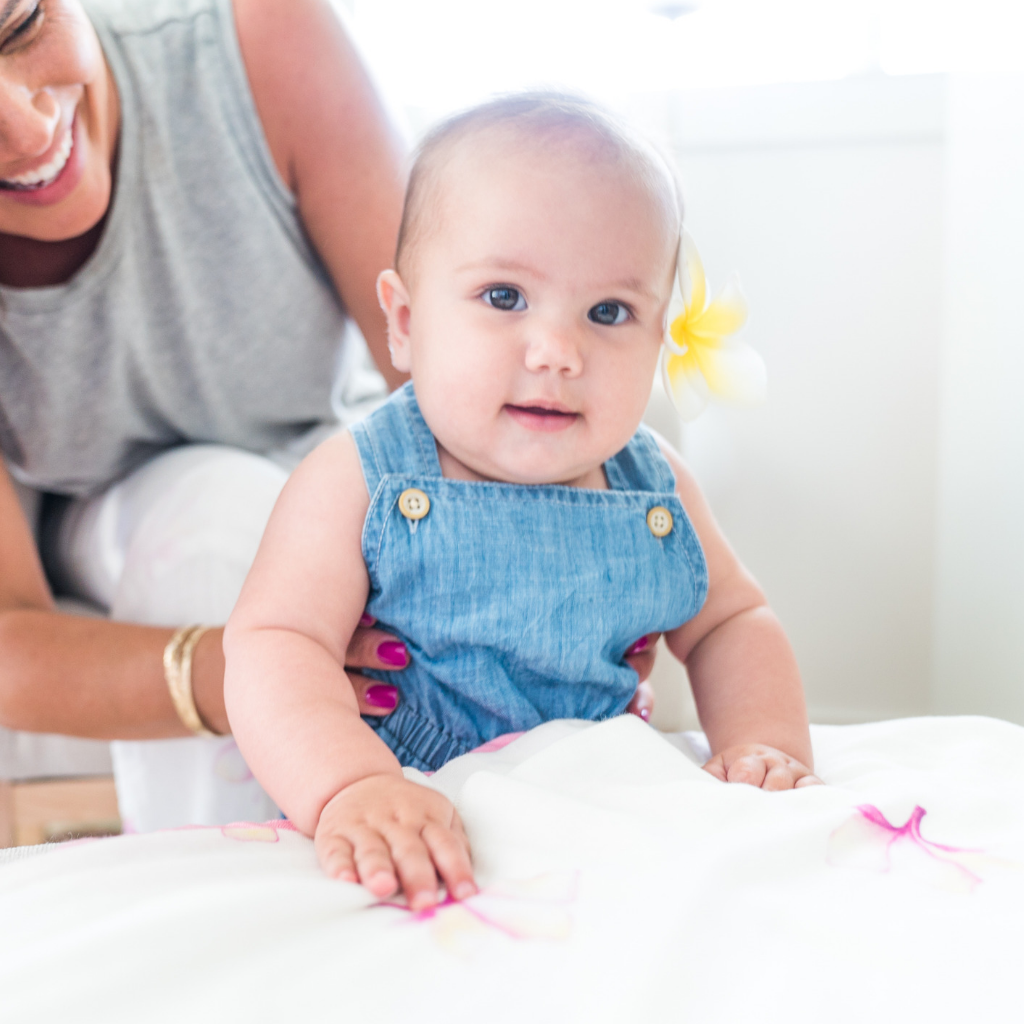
(620, 883)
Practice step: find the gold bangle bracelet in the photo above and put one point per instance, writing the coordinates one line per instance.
(178, 674)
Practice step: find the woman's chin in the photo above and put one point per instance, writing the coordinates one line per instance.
(75, 215)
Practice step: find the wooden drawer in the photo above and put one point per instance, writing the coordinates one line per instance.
(53, 810)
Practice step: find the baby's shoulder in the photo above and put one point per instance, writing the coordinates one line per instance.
(333, 464)
(392, 439)
(643, 464)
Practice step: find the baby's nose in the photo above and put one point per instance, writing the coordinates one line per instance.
(555, 348)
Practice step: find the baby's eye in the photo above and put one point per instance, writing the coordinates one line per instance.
(608, 314)
(503, 297)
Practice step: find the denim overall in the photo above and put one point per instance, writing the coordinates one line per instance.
(516, 603)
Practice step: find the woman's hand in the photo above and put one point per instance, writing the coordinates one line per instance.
(640, 658)
(387, 832)
(758, 765)
(369, 648)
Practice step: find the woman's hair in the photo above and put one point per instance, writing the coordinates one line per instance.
(555, 120)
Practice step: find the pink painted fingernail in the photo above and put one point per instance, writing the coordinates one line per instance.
(645, 714)
(382, 696)
(366, 620)
(391, 652)
(640, 645)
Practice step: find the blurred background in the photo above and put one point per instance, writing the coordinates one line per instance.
(859, 166)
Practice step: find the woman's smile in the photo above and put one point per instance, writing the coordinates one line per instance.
(46, 173)
(58, 143)
(55, 177)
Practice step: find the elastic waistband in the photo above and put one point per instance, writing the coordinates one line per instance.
(416, 742)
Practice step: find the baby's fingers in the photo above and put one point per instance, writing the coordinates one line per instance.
(716, 767)
(781, 776)
(450, 852)
(807, 780)
(412, 858)
(792, 775)
(373, 862)
(752, 770)
(337, 858)
(762, 766)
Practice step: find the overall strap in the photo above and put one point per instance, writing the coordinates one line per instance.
(640, 466)
(395, 440)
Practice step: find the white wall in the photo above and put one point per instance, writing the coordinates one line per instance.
(877, 224)
(979, 602)
(827, 200)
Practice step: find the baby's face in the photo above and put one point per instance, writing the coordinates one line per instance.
(535, 315)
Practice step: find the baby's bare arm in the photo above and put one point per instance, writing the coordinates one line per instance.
(744, 675)
(292, 709)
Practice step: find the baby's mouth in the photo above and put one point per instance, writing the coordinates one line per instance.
(538, 417)
(44, 176)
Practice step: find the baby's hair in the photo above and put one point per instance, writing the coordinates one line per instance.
(548, 117)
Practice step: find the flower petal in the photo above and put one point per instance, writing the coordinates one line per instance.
(725, 314)
(692, 282)
(733, 371)
(677, 337)
(675, 321)
(684, 384)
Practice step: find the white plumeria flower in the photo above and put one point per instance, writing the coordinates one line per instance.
(701, 358)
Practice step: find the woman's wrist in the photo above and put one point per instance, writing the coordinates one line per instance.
(208, 681)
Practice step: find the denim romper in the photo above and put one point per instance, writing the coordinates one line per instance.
(516, 603)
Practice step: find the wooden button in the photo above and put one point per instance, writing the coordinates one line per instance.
(659, 520)
(414, 504)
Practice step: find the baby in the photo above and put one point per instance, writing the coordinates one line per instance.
(505, 514)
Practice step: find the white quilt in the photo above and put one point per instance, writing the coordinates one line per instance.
(620, 884)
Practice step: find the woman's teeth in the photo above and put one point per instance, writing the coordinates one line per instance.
(40, 177)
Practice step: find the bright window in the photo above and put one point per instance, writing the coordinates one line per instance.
(437, 55)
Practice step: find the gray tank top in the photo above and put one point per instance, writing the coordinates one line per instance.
(204, 315)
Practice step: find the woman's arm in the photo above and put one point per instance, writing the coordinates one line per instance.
(83, 677)
(91, 677)
(745, 679)
(333, 146)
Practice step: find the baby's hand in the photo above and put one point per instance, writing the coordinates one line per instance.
(760, 765)
(384, 831)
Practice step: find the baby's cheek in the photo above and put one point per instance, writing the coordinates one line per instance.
(618, 410)
(631, 371)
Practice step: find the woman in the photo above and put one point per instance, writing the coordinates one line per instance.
(193, 195)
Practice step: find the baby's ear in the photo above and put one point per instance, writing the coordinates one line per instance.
(393, 297)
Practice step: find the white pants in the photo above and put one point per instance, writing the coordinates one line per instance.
(170, 545)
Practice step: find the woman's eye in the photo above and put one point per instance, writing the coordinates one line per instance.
(509, 299)
(608, 314)
(20, 32)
